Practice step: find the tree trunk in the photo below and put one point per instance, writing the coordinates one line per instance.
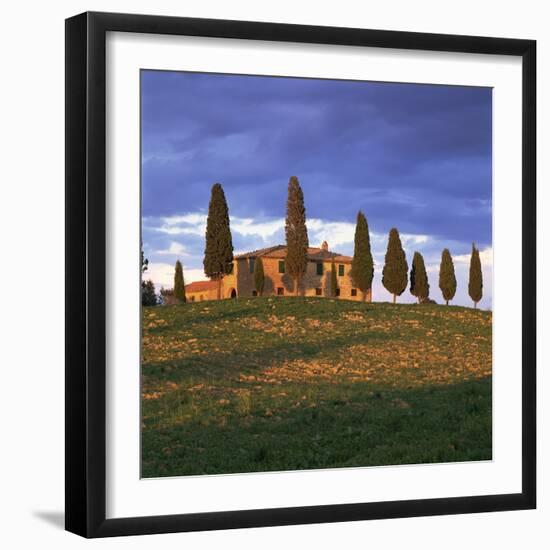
(475, 305)
(446, 302)
(394, 298)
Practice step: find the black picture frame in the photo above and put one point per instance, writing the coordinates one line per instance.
(86, 278)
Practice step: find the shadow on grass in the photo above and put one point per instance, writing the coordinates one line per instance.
(247, 361)
(349, 425)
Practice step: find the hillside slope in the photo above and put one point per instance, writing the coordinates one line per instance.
(299, 383)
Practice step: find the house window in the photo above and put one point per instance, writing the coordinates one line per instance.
(319, 268)
(230, 269)
(354, 292)
(318, 292)
(281, 267)
(340, 270)
(254, 293)
(337, 292)
(192, 298)
(251, 265)
(280, 291)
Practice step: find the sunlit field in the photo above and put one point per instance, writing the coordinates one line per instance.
(267, 384)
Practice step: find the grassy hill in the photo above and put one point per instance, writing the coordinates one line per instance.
(301, 383)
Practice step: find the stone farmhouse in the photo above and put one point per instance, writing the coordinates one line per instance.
(316, 281)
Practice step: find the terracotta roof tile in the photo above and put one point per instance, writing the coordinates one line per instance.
(261, 252)
(279, 251)
(199, 286)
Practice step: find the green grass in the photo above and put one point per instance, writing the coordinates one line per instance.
(301, 383)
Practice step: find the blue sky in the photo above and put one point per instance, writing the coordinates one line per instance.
(413, 156)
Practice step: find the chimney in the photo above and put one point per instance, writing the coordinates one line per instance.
(324, 246)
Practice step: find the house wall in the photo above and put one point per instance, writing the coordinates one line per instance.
(243, 281)
(230, 282)
(201, 295)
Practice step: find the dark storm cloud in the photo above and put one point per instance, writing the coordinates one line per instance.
(414, 156)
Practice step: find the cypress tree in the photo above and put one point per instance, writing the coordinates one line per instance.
(475, 283)
(447, 278)
(362, 265)
(179, 285)
(218, 253)
(395, 272)
(296, 233)
(419, 278)
(333, 279)
(259, 278)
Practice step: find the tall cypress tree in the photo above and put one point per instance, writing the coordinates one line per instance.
(447, 278)
(395, 272)
(362, 265)
(475, 283)
(218, 253)
(419, 278)
(179, 285)
(259, 277)
(333, 279)
(296, 233)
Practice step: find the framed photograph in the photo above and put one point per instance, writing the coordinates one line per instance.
(300, 274)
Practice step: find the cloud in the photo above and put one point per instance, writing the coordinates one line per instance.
(175, 249)
(336, 233)
(195, 218)
(162, 275)
(250, 227)
(179, 230)
(485, 256)
(187, 224)
(195, 224)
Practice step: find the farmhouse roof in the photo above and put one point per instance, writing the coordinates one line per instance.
(279, 251)
(201, 286)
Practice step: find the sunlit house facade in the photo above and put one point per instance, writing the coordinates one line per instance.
(316, 281)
